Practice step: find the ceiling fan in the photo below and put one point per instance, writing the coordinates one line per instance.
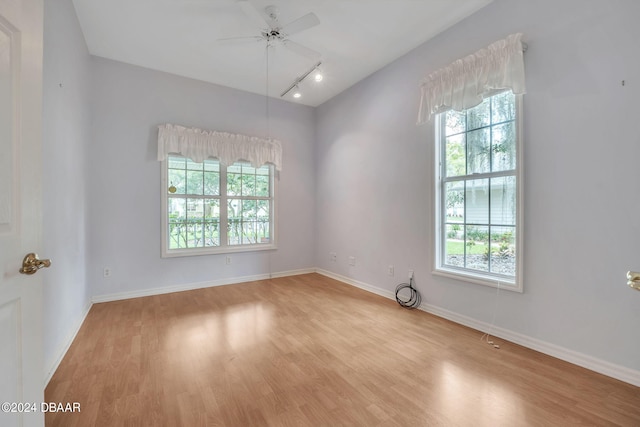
(273, 32)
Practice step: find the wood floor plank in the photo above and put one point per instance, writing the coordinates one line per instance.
(310, 351)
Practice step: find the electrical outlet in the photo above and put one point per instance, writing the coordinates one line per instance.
(352, 260)
(228, 260)
(106, 272)
(410, 274)
(333, 257)
(390, 270)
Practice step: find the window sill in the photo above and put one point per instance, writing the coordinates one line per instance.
(217, 250)
(480, 279)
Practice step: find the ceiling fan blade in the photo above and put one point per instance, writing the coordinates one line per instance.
(250, 10)
(239, 40)
(301, 50)
(304, 22)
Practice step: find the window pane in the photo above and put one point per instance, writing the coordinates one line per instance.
(191, 165)
(234, 226)
(212, 233)
(177, 209)
(177, 215)
(177, 162)
(195, 234)
(503, 107)
(248, 184)
(262, 185)
(234, 184)
(249, 217)
(478, 151)
(249, 209)
(479, 116)
(263, 170)
(212, 165)
(477, 201)
(477, 245)
(455, 156)
(211, 183)
(177, 235)
(248, 232)
(454, 122)
(504, 147)
(177, 178)
(503, 200)
(194, 182)
(195, 209)
(454, 245)
(454, 201)
(211, 209)
(503, 250)
(211, 222)
(263, 222)
(235, 168)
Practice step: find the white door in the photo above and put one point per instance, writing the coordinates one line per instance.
(21, 360)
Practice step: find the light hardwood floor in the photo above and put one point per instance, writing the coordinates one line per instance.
(310, 351)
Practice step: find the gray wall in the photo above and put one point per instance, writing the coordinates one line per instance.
(582, 222)
(66, 88)
(127, 105)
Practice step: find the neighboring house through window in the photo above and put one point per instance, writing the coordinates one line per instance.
(478, 232)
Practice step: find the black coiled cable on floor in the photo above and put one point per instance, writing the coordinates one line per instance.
(414, 296)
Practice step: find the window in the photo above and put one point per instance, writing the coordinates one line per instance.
(211, 208)
(478, 193)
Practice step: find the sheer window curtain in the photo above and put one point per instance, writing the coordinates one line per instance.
(228, 148)
(467, 81)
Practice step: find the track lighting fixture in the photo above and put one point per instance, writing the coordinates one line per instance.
(317, 77)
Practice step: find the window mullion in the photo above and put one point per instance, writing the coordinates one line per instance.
(443, 207)
(224, 214)
(484, 175)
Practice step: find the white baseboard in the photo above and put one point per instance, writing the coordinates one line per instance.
(618, 372)
(293, 272)
(65, 347)
(197, 285)
(357, 284)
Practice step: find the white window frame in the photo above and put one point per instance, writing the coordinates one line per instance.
(464, 274)
(223, 248)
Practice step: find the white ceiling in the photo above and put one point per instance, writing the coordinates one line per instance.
(355, 38)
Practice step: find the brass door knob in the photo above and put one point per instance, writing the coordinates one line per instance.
(633, 279)
(31, 264)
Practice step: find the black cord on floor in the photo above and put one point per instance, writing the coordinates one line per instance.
(414, 297)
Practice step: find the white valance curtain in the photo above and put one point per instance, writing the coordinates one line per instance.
(464, 83)
(198, 144)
